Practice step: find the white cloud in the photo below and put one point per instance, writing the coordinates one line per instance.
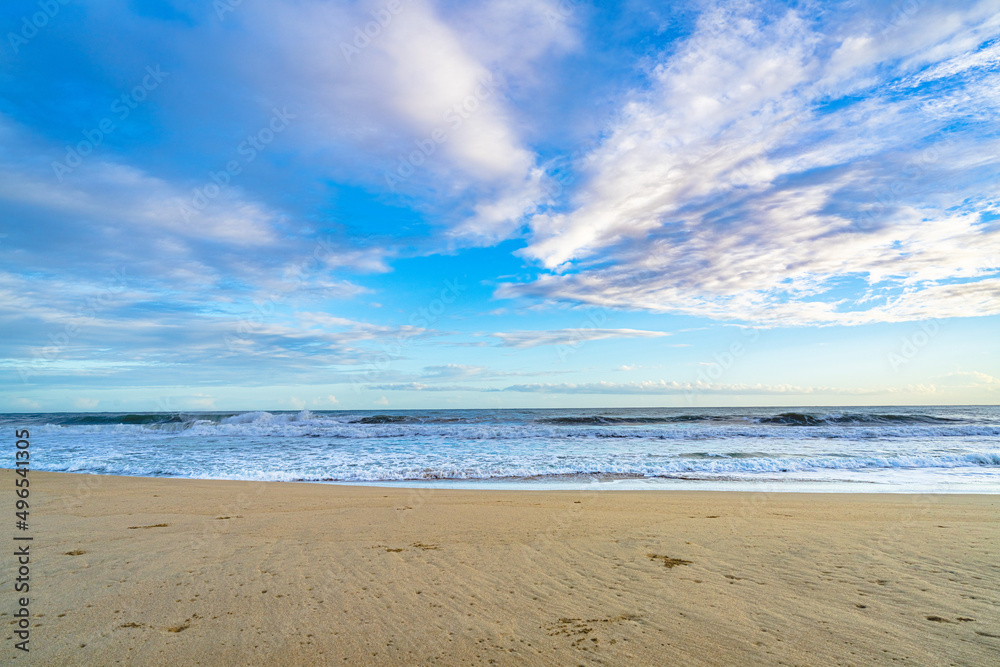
(419, 386)
(453, 372)
(344, 329)
(425, 96)
(976, 380)
(663, 387)
(134, 208)
(516, 34)
(525, 339)
(107, 213)
(744, 184)
(431, 74)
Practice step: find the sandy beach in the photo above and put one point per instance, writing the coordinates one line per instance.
(175, 571)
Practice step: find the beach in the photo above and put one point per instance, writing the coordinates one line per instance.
(159, 571)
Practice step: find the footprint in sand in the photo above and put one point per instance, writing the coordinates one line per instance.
(180, 628)
(668, 561)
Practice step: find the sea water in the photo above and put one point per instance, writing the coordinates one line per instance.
(897, 449)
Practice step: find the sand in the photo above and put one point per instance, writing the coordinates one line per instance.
(171, 572)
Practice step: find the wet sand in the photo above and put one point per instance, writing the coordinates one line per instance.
(169, 572)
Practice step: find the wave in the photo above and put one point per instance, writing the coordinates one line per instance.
(597, 420)
(141, 419)
(784, 418)
(705, 467)
(389, 419)
(261, 417)
(170, 422)
(805, 419)
(726, 455)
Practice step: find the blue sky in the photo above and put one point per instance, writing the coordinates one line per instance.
(507, 203)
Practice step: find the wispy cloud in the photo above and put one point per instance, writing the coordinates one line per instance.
(426, 99)
(524, 339)
(419, 386)
(663, 387)
(777, 171)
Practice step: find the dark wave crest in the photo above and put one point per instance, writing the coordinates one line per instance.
(139, 419)
(805, 419)
(597, 420)
(388, 419)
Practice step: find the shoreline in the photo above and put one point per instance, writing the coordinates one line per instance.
(166, 570)
(598, 484)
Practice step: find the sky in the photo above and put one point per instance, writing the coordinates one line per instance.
(412, 204)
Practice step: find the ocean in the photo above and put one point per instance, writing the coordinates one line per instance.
(949, 449)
